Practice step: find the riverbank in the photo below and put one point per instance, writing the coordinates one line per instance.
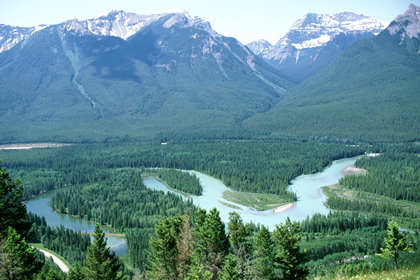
(257, 201)
(283, 208)
(57, 259)
(28, 146)
(352, 170)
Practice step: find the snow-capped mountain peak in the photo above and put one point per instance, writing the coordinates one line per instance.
(409, 22)
(115, 23)
(186, 20)
(12, 35)
(259, 46)
(302, 52)
(314, 30)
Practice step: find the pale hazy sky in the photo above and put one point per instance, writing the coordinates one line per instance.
(246, 20)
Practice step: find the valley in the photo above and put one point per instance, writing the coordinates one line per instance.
(211, 158)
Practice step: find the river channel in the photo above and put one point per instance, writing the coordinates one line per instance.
(307, 187)
(40, 206)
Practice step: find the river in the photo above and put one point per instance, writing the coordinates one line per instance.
(40, 206)
(307, 187)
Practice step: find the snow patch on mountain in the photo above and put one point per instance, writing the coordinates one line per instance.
(312, 43)
(116, 23)
(259, 46)
(10, 36)
(298, 52)
(314, 30)
(408, 22)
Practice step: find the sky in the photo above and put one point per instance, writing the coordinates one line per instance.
(246, 20)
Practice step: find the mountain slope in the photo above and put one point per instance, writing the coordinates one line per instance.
(315, 41)
(371, 92)
(73, 81)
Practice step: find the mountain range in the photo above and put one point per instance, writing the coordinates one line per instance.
(124, 74)
(371, 91)
(128, 74)
(315, 41)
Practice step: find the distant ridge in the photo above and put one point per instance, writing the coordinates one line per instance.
(371, 92)
(127, 74)
(315, 41)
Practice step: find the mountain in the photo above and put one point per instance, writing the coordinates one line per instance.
(315, 41)
(260, 46)
(12, 35)
(371, 92)
(126, 74)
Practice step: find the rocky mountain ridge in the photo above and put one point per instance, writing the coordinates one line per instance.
(371, 91)
(315, 40)
(132, 74)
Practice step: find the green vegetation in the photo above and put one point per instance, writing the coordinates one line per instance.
(13, 212)
(100, 262)
(138, 88)
(104, 184)
(125, 204)
(220, 118)
(402, 274)
(394, 174)
(369, 93)
(40, 246)
(66, 242)
(259, 166)
(396, 243)
(17, 259)
(390, 187)
(203, 250)
(290, 259)
(322, 247)
(180, 181)
(258, 201)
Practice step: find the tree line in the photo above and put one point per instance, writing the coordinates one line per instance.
(179, 180)
(205, 249)
(124, 203)
(264, 166)
(392, 174)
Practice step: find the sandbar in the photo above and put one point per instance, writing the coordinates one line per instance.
(283, 207)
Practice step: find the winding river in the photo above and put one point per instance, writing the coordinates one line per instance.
(40, 206)
(307, 187)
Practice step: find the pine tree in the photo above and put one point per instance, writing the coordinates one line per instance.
(17, 259)
(238, 233)
(100, 263)
(241, 248)
(396, 242)
(212, 243)
(184, 248)
(289, 258)
(263, 256)
(230, 269)
(167, 248)
(198, 272)
(13, 211)
(76, 273)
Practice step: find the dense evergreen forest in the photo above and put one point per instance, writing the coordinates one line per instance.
(390, 187)
(180, 181)
(262, 166)
(104, 183)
